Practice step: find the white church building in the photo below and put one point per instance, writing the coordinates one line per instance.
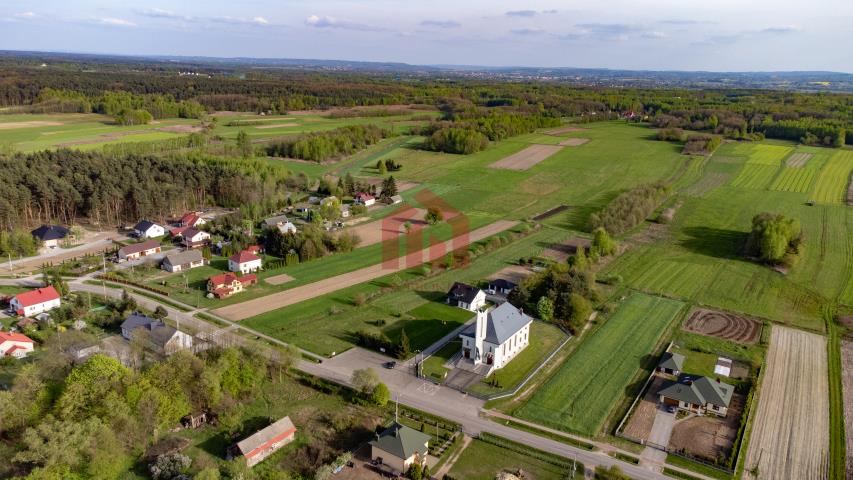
(497, 337)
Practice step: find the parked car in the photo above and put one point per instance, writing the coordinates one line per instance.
(390, 365)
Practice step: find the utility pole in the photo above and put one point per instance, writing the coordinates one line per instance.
(10, 261)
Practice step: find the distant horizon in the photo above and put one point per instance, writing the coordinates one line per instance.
(664, 35)
(392, 62)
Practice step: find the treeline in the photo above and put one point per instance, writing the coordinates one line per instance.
(127, 108)
(322, 146)
(629, 209)
(61, 185)
(468, 134)
(808, 131)
(309, 243)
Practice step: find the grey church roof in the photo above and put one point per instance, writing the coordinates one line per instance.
(504, 322)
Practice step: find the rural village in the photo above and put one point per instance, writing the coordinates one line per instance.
(376, 279)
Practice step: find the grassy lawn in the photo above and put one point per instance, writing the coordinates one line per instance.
(432, 366)
(325, 324)
(701, 353)
(11, 290)
(544, 338)
(482, 461)
(428, 323)
(581, 394)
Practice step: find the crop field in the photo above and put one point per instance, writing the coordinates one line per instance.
(527, 158)
(790, 434)
(581, 394)
(755, 176)
(847, 389)
(834, 179)
(723, 325)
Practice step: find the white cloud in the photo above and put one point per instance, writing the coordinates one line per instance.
(116, 22)
(528, 31)
(317, 21)
(25, 15)
(160, 13)
(521, 13)
(654, 34)
(441, 23)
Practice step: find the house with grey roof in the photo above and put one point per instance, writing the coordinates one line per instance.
(398, 447)
(182, 261)
(699, 395)
(465, 296)
(162, 338)
(671, 363)
(496, 337)
(280, 222)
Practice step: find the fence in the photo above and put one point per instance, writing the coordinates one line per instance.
(114, 279)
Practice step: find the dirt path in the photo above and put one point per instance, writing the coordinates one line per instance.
(526, 158)
(466, 440)
(790, 436)
(847, 386)
(240, 311)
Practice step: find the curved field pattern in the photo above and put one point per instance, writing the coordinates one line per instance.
(728, 326)
(790, 436)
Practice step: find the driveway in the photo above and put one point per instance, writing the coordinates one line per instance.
(661, 431)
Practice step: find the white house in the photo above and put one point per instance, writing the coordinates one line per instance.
(148, 229)
(192, 219)
(281, 222)
(35, 301)
(50, 236)
(365, 199)
(137, 250)
(15, 345)
(163, 338)
(182, 261)
(465, 296)
(194, 238)
(496, 337)
(244, 262)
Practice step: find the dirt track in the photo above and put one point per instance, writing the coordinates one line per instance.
(847, 384)
(573, 142)
(277, 300)
(527, 158)
(29, 124)
(790, 436)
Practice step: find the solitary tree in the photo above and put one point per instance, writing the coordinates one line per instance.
(365, 380)
(433, 215)
(244, 144)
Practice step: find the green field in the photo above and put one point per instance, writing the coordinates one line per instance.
(581, 394)
(482, 461)
(833, 180)
(800, 179)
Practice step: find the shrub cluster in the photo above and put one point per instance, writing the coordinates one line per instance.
(321, 146)
(629, 209)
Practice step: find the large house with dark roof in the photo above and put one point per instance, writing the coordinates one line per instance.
(496, 337)
(182, 261)
(399, 446)
(163, 338)
(148, 229)
(50, 235)
(698, 394)
(465, 296)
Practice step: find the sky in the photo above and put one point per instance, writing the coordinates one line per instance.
(719, 35)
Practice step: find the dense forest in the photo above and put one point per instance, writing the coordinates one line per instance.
(65, 184)
(322, 146)
(827, 118)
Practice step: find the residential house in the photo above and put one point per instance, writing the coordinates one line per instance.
(35, 301)
(50, 236)
(182, 261)
(394, 199)
(699, 395)
(15, 345)
(465, 296)
(265, 442)
(192, 219)
(496, 337)
(281, 222)
(363, 198)
(148, 229)
(501, 286)
(137, 250)
(671, 363)
(244, 262)
(163, 338)
(399, 446)
(227, 284)
(194, 238)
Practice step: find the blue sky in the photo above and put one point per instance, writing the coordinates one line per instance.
(633, 34)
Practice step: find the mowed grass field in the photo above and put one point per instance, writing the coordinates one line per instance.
(701, 259)
(581, 394)
(833, 180)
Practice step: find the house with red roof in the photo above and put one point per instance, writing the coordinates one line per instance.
(192, 219)
(137, 250)
(365, 199)
(244, 262)
(15, 345)
(227, 284)
(35, 301)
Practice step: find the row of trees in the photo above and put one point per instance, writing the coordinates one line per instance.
(322, 146)
(468, 133)
(126, 107)
(629, 209)
(310, 242)
(62, 185)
